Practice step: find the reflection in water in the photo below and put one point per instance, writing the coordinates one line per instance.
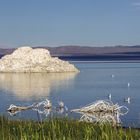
(42, 108)
(13, 109)
(98, 112)
(102, 111)
(102, 117)
(25, 85)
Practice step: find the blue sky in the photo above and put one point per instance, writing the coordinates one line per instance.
(69, 22)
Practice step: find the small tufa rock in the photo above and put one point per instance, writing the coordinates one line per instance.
(26, 59)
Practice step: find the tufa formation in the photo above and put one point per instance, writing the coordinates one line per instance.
(26, 59)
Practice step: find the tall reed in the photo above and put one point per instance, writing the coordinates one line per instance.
(63, 129)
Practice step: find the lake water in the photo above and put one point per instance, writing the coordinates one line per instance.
(94, 82)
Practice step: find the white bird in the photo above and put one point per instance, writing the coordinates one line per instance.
(128, 84)
(112, 75)
(109, 96)
(127, 100)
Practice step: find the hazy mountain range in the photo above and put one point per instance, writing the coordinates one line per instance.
(131, 52)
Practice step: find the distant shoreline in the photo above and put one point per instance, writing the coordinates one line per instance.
(78, 53)
(127, 61)
(102, 58)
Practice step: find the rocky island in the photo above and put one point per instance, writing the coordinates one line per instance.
(27, 59)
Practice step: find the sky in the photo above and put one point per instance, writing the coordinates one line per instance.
(69, 22)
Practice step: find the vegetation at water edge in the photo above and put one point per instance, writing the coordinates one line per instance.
(63, 129)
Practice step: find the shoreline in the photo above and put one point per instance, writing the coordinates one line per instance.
(105, 61)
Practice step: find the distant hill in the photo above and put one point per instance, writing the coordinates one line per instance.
(4, 51)
(132, 52)
(86, 51)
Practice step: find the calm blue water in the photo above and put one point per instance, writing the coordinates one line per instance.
(94, 82)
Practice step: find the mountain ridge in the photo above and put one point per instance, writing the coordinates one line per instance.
(73, 50)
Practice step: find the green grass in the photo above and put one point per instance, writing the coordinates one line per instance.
(63, 129)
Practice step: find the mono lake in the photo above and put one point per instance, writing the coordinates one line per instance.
(94, 82)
